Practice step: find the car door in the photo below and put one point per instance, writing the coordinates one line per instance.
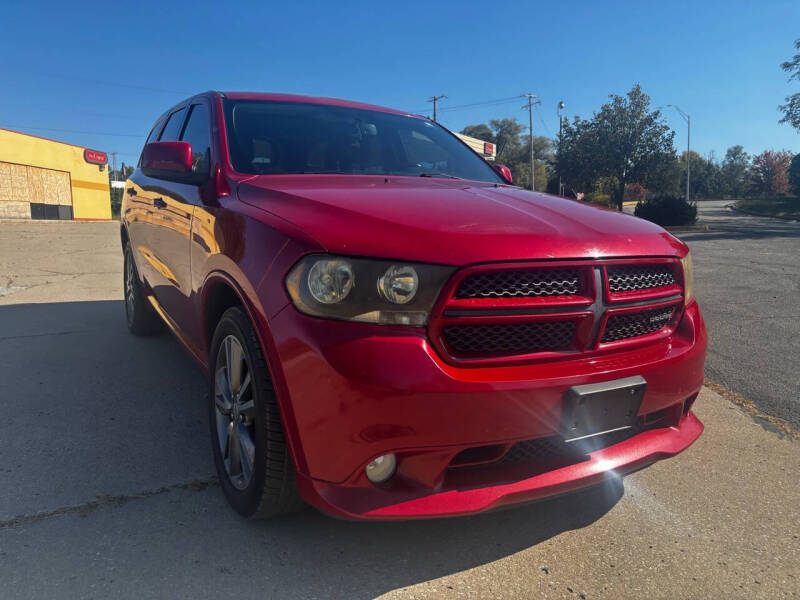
(138, 213)
(175, 204)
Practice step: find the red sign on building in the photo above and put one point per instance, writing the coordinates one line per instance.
(95, 157)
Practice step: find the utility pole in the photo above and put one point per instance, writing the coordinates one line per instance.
(560, 108)
(688, 120)
(436, 99)
(114, 162)
(532, 99)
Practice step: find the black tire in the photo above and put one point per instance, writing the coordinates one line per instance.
(272, 487)
(140, 316)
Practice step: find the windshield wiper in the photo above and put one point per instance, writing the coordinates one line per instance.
(438, 174)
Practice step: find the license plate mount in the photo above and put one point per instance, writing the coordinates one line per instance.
(598, 408)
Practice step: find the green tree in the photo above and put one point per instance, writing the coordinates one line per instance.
(624, 140)
(575, 159)
(735, 172)
(794, 175)
(791, 110)
(480, 131)
(513, 149)
(706, 176)
(771, 172)
(507, 134)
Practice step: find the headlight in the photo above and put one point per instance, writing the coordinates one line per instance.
(399, 284)
(330, 281)
(688, 277)
(369, 291)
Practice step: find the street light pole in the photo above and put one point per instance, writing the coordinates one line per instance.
(560, 108)
(688, 120)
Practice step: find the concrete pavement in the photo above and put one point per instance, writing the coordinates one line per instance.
(107, 487)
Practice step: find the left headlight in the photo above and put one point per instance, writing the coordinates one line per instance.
(366, 290)
(688, 277)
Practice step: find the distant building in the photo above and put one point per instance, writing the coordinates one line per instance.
(45, 179)
(485, 149)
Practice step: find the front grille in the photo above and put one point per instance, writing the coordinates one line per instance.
(623, 326)
(520, 283)
(636, 277)
(510, 338)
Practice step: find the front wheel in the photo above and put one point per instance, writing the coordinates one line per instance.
(250, 453)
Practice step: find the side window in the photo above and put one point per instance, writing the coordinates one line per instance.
(197, 134)
(172, 130)
(151, 137)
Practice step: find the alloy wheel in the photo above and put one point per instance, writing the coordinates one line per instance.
(234, 402)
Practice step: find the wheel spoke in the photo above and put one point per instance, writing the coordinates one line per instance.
(223, 398)
(233, 359)
(245, 385)
(248, 409)
(248, 452)
(234, 451)
(224, 433)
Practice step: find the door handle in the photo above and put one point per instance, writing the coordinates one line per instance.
(158, 202)
(131, 192)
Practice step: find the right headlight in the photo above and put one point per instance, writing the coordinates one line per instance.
(688, 277)
(366, 290)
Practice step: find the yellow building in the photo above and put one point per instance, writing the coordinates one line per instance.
(487, 150)
(46, 179)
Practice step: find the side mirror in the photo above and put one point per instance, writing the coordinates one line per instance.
(505, 172)
(171, 161)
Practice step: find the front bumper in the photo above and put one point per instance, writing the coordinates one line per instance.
(351, 392)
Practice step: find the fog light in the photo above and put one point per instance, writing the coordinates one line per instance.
(382, 468)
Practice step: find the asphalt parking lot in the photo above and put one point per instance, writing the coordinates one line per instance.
(107, 485)
(747, 271)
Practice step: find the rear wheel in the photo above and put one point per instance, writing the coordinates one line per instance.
(250, 453)
(139, 313)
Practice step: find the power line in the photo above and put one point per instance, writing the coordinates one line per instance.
(17, 127)
(129, 86)
(471, 105)
(481, 104)
(71, 110)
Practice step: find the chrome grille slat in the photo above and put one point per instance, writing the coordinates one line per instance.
(520, 283)
(627, 278)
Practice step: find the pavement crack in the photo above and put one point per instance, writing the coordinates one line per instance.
(48, 334)
(772, 423)
(106, 500)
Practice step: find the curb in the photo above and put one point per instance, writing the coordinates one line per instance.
(732, 206)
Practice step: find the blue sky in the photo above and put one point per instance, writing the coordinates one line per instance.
(64, 66)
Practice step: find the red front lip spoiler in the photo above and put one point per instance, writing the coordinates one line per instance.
(614, 461)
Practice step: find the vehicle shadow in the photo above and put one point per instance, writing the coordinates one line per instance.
(108, 414)
(367, 559)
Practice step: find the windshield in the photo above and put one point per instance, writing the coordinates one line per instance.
(288, 137)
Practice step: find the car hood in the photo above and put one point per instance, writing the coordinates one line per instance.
(450, 221)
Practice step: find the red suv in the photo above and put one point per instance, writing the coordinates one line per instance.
(390, 328)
